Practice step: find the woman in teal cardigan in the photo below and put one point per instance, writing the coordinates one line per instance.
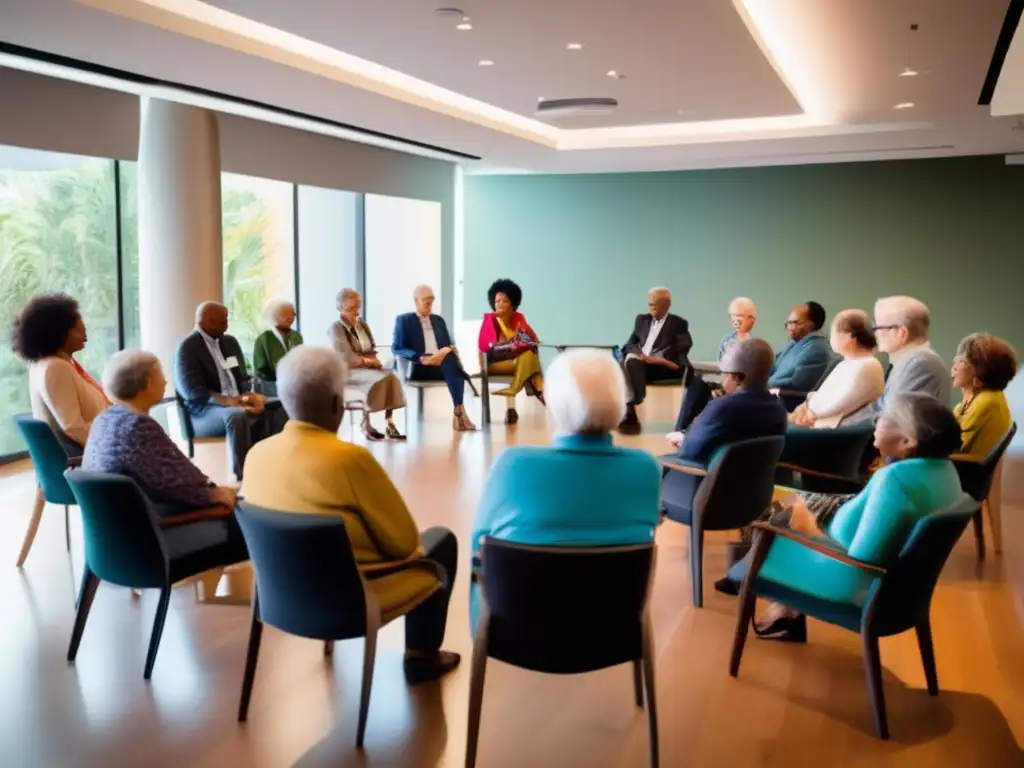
(582, 491)
(275, 342)
(915, 434)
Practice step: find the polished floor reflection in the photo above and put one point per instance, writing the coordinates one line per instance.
(791, 706)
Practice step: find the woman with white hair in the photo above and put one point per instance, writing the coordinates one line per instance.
(583, 490)
(125, 440)
(742, 315)
(381, 390)
(274, 343)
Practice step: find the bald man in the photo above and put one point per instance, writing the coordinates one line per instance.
(656, 350)
(211, 377)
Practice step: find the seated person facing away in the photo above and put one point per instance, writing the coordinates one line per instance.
(656, 350)
(46, 335)
(381, 390)
(916, 434)
(210, 375)
(803, 361)
(849, 392)
(307, 470)
(582, 490)
(902, 327)
(747, 411)
(509, 346)
(698, 393)
(983, 367)
(274, 343)
(125, 440)
(422, 338)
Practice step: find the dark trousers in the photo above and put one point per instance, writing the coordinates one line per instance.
(449, 371)
(424, 625)
(638, 374)
(696, 397)
(241, 429)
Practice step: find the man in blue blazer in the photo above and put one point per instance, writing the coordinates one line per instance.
(422, 339)
(801, 364)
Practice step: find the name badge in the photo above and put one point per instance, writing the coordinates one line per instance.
(230, 362)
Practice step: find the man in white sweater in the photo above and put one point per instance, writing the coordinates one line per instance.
(903, 327)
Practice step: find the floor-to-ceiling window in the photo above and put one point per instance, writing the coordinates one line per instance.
(58, 232)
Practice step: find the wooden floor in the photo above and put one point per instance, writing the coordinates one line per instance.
(791, 706)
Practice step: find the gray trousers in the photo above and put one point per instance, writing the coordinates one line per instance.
(241, 429)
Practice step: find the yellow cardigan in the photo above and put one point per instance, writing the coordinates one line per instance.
(306, 469)
(984, 422)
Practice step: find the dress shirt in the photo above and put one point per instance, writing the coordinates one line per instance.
(228, 387)
(429, 339)
(656, 326)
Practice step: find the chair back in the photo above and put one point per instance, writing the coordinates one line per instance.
(123, 543)
(739, 484)
(306, 575)
(976, 478)
(184, 418)
(838, 451)
(564, 610)
(48, 458)
(901, 598)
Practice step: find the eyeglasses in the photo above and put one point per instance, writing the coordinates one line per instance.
(793, 323)
(878, 328)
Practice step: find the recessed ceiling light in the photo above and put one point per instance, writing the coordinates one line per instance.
(486, 63)
(465, 26)
(904, 105)
(613, 73)
(908, 72)
(574, 46)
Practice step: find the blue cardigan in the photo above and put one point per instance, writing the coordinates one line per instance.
(581, 491)
(800, 364)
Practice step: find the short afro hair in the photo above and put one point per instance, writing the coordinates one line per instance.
(509, 288)
(42, 328)
(816, 313)
(993, 360)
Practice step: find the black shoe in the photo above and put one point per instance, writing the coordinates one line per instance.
(788, 629)
(727, 586)
(511, 416)
(392, 432)
(422, 669)
(371, 433)
(631, 424)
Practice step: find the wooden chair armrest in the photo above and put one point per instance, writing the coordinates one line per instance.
(686, 468)
(207, 513)
(563, 347)
(420, 563)
(74, 461)
(818, 473)
(967, 458)
(818, 545)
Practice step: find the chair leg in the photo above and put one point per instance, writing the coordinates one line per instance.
(158, 630)
(992, 506)
(979, 534)
(476, 694)
(90, 583)
(369, 654)
(191, 448)
(924, 643)
(748, 598)
(67, 528)
(33, 526)
(251, 657)
(328, 647)
(485, 401)
(873, 673)
(652, 709)
(638, 682)
(697, 564)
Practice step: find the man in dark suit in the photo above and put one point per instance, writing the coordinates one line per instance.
(210, 375)
(422, 339)
(747, 411)
(656, 350)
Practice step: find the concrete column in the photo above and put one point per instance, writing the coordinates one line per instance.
(180, 261)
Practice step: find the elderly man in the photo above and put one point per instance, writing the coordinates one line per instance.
(210, 376)
(308, 470)
(656, 351)
(422, 339)
(802, 363)
(902, 328)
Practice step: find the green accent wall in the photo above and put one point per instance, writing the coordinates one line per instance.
(586, 248)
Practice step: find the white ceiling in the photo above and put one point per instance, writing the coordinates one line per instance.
(751, 61)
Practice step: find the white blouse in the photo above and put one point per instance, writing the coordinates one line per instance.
(853, 383)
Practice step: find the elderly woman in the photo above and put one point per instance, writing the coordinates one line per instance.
(915, 434)
(582, 490)
(983, 367)
(274, 343)
(743, 315)
(46, 335)
(849, 392)
(510, 345)
(125, 440)
(381, 390)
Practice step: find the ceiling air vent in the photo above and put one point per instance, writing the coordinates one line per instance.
(575, 107)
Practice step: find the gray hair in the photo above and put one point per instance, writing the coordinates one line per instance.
(273, 310)
(205, 306)
(753, 358)
(308, 380)
(927, 419)
(743, 303)
(127, 373)
(421, 289)
(585, 392)
(343, 296)
(660, 291)
(908, 313)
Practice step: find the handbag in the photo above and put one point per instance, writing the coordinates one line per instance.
(511, 349)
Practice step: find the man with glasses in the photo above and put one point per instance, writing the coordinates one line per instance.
(902, 328)
(801, 364)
